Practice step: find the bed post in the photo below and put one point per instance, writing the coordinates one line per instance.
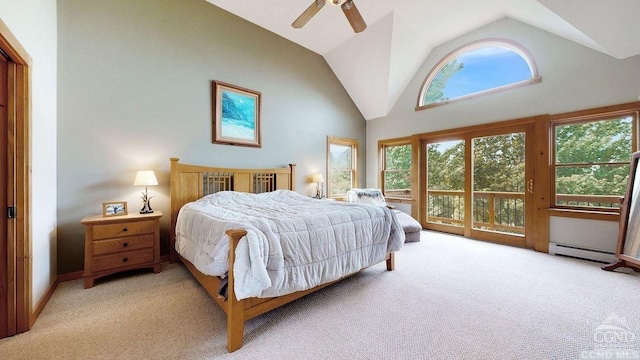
(235, 307)
(173, 188)
(391, 261)
(292, 177)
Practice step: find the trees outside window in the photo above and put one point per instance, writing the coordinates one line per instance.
(341, 165)
(396, 168)
(591, 161)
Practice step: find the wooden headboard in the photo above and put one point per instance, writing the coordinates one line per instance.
(191, 182)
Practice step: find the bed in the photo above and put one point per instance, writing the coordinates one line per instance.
(201, 195)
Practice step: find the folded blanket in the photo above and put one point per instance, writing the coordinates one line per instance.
(366, 196)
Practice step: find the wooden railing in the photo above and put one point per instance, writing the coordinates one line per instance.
(498, 211)
(397, 192)
(607, 201)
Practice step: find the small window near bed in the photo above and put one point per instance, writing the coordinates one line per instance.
(342, 155)
(395, 164)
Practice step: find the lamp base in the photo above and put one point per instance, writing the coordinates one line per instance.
(146, 207)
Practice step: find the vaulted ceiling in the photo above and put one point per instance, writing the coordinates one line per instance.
(375, 66)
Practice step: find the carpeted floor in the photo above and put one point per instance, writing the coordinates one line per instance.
(449, 298)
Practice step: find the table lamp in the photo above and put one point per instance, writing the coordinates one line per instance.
(318, 179)
(145, 178)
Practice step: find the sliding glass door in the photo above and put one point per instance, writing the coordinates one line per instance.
(481, 184)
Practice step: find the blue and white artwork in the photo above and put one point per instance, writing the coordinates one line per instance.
(238, 115)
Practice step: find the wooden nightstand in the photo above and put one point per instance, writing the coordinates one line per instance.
(118, 243)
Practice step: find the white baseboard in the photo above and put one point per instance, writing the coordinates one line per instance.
(589, 254)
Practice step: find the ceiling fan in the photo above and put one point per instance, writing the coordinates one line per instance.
(348, 7)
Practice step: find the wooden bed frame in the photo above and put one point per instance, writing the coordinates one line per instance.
(191, 182)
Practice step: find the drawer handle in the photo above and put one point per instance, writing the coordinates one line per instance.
(125, 244)
(124, 260)
(125, 229)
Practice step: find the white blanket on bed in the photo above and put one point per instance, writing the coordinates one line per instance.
(293, 242)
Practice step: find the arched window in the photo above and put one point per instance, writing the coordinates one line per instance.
(480, 67)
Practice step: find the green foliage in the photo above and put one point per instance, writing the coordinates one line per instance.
(594, 142)
(340, 169)
(340, 182)
(498, 163)
(445, 169)
(584, 153)
(435, 92)
(397, 175)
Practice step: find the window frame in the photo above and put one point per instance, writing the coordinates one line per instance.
(581, 117)
(382, 146)
(353, 143)
(474, 45)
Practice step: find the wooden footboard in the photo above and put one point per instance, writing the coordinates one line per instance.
(239, 311)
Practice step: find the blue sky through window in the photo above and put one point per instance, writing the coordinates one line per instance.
(483, 68)
(486, 68)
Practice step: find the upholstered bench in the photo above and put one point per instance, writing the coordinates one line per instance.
(410, 226)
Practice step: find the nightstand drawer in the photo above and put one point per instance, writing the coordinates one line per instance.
(123, 259)
(123, 229)
(103, 247)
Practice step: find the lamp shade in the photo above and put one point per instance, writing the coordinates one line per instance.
(317, 178)
(145, 178)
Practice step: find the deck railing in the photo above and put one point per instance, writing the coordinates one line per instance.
(498, 211)
(607, 201)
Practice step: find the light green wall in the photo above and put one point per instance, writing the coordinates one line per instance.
(134, 88)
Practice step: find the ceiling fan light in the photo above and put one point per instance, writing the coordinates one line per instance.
(337, 2)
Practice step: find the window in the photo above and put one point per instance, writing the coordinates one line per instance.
(396, 167)
(477, 68)
(591, 160)
(342, 155)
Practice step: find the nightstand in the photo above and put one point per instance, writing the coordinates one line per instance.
(118, 243)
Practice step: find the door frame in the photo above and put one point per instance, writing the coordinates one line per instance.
(534, 235)
(19, 270)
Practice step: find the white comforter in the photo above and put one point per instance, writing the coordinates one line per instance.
(293, 242)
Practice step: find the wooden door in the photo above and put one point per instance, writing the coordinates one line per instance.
(15, 246)
(4, 283)
(499, 209)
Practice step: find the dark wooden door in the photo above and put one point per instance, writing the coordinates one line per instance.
(4, 281)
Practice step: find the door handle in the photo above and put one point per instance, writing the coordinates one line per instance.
(530, 186)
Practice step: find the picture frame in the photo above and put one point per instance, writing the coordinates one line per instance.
(236, 115)
(114, 208)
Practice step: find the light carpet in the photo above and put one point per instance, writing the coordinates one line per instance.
(449, 298)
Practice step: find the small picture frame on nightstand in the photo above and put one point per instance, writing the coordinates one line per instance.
(114, 208)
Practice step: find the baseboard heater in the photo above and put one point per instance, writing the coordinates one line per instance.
(582, 253)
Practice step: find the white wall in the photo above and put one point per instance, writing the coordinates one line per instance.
(135, 89)
(33, 23)
(573, 78)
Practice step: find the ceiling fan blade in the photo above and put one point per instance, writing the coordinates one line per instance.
(308, 14)
(353, 15)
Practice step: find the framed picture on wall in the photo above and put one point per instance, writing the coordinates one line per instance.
(114, 208)
(236, 115)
